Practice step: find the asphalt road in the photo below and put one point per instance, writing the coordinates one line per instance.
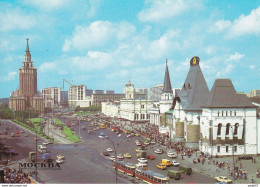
(85, 163)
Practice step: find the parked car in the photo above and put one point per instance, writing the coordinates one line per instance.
(138, 143)
(106, 153)
(109, 150)
(139, 164)
(172, 155)
(112, 158)
(175, 163)
(161, 166)
(151, 157)
(127, 155)
(142, 160)
(12, 135)
(153, 142)
(223, 179)
(120, 156)
(138, 149)
(158, 151)
(146, 143)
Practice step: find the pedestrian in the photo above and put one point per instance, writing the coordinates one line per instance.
(227, 166)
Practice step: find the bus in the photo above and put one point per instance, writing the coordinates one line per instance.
(151, 177)
(124, 167)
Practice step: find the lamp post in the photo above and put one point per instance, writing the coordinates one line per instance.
(115, 149)
(233, 153)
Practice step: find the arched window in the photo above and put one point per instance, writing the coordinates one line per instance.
(219, 129)
(226, 113)
(222, 113)
(184, 87)
(227, 129)
(189, 86)
(218, 113)
(235, 113)
(230, 113)
(236, 128)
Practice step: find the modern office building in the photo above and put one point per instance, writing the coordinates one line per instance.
(77, 97)
(52, 97)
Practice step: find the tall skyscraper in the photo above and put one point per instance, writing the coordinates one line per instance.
(27, 97)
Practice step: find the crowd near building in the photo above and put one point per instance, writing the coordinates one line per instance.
(27, 97)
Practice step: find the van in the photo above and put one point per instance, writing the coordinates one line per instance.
(174, 174)
(166, 162)
(185, 170)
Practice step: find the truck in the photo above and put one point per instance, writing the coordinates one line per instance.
(185, 170)
(174, 174)
(32, 156)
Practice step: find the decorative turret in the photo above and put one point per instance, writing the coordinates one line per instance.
(129, 90)
(27, 57)
(167, 88)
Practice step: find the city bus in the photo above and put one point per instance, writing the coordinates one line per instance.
(151, 177)
(124, 167)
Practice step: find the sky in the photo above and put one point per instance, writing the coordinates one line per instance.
(103, 43)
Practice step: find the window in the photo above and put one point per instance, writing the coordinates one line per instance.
(184, 86)
(142, 106)
(230, 113)
(235, 113)
(218, 113)
(218, 147)
(222, 113)
(227, 129)
(236, 128)
(235, 148)
(226, 149)
(219, 129)
(226, 113)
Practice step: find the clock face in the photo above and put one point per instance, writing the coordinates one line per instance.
(194, 61)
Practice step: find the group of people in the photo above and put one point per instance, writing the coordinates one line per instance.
(15, 176)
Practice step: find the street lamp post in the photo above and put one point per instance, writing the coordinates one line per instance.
(115, 149)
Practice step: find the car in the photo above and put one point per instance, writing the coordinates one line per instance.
(112, 158)
(158, 151)
(161, 166)
(36, 138)
(26, 135)
(12, 135)
(175, 163)
(172, 155)
(137, 134)
(142, 160)
(60, 161)
(153, 142)
(139, 164)
(146, 143)
(170, 151)
(22, 131)
(109, 150)
(138, 143)
(60, 157)
(151, 157)
(120, 156)
(5, 132)
(100, 136)
(138, 149)
(131, 135)
(106, 153)
(17, 135)
(223, 179)
(245, 157)
(127, 155)
(46, 143)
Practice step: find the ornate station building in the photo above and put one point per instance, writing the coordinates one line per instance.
(27, 97)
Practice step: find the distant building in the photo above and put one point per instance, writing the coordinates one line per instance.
(254, 93)
(98, 92)
(52, 97)
(4, 101)
(77, 96)
(97, 99)
(155, 92)
(109, 92)
(64, 99)
(111, 108)
(27, 97)
(89, 92)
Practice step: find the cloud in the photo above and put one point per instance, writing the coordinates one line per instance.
(159, 10)
(16, 20)
(244, 25)
(235, 57)
(47, 4)
(252, 66)
(9, 76)
(47, 67)
(98, 34)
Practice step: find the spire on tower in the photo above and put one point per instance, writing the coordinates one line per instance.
(27, 48)
(167, 88)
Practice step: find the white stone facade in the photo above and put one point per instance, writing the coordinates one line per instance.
(110, 109)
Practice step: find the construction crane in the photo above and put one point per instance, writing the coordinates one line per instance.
(64, 80)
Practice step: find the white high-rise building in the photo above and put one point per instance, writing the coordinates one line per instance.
(52, 97)
(77, 96)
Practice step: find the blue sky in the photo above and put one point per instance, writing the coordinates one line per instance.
(101, 43)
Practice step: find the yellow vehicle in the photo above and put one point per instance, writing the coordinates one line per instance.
(138, 149)
(102, 126)
(137, 134)
(161, 166)
(127, 155)
(166, 162)
(223, 179)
